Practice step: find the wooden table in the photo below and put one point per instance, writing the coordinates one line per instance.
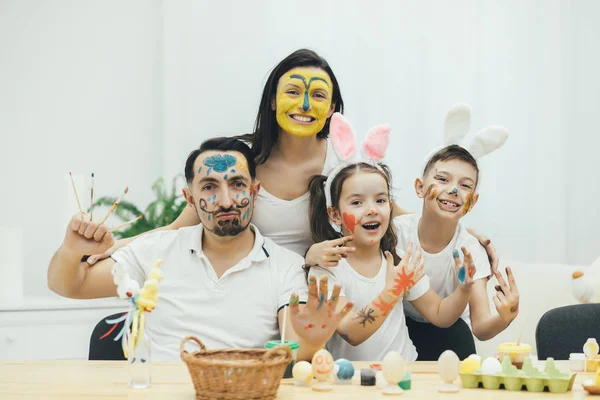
(108, 379)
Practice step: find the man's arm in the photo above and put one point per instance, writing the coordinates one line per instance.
(68, 276)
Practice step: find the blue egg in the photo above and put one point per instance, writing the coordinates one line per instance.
(343, 369)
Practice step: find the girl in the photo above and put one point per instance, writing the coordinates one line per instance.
(355, 200)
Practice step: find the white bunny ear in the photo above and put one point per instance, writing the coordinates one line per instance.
(487, 140)
(457, 123)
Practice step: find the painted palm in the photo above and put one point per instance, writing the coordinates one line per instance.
(162, 211)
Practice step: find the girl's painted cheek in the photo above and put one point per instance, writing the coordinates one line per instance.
(350, 221)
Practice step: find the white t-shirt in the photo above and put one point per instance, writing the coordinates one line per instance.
(237, 310)
(286, 222)
(392, 335)
(439, 267)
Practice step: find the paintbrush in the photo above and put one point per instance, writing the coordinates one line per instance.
(76, 196)
(124, 224)
(92, 198)
(114, 206)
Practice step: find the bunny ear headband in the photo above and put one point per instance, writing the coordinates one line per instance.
(456, 127)
(343, 141)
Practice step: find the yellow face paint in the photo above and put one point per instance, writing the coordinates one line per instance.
(303, 101)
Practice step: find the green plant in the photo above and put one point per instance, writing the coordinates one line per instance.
(162, 211)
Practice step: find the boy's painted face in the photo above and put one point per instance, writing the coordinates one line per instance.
(222, 192)
(364, 208)
(303, 101)
(448, 189)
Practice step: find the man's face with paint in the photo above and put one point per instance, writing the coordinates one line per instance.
(364, 208)
(222, 192)
(448, 188)
(303, 101)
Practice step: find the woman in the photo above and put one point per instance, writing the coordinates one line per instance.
(290, 145)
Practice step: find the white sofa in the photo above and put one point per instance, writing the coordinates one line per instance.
(542, 287)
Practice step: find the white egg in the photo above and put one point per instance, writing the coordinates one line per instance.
(393, 367)
(491, 366)
(448, 365)
(302, 372)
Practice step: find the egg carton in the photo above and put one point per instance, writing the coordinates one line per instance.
(528, 378)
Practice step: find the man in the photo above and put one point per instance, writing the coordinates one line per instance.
(223, 281)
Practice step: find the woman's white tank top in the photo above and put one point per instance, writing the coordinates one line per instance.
(286, 221)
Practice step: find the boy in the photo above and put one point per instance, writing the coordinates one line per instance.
(448, 189)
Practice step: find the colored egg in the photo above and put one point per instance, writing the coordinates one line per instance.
(448, 366)
(343, 369)
(302, 372)
(393, 367)
(469, 365)
(322, 364)
(491, 366)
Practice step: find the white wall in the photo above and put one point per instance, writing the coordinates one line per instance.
(525, 65)
(127, 89)
(80, 91)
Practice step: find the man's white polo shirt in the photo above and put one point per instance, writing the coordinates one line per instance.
(237, 310)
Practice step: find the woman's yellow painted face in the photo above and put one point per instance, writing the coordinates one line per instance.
(303, 101)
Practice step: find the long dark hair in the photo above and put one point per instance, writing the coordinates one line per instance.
(266, 128)
(320, 227)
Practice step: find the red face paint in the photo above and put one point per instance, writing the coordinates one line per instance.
(324, 326)
(309, 326)
(350, 221)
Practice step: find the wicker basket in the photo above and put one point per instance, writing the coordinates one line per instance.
(235, 373)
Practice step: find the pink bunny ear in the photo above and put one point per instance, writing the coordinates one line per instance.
(342, 137)
(376, 142)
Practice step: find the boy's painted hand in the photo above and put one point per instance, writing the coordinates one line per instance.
(316, 321)
(507, 297)
(464, 269)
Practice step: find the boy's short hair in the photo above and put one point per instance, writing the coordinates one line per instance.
(452, 152)
(221, 144)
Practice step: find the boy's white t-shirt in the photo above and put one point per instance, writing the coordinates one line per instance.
(392, 335)
(440, 267)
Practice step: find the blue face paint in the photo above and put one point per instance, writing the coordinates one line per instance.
(306, 103)
(233, 171)
(209, 217)
(214, 196)
(199, 169)
(219, 162)
(455, 254)
(454, 191)
(225, 177)
(244, 192)
(462, 275)
(237, 196)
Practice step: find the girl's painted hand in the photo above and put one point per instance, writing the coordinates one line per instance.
(402, 277)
